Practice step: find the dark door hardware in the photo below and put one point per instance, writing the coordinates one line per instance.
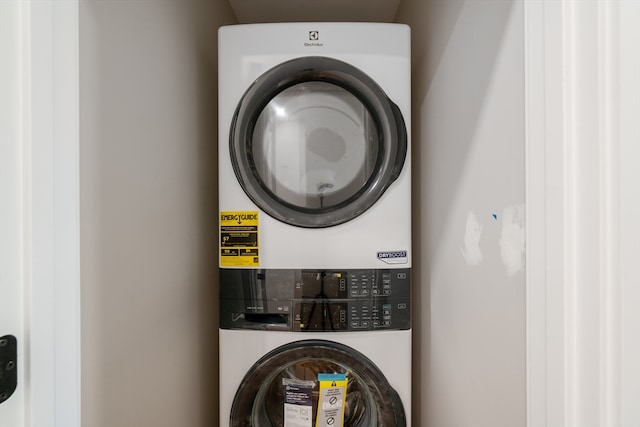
(8, 366)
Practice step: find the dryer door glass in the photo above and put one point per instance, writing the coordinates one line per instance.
(315, 145)
(370, 400)
(315, 142)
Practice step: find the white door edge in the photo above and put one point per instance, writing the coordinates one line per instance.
(46, 180)
(11, 197)
(582, 66)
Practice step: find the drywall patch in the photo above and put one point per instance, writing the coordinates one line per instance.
(471, 243)
(512, 239)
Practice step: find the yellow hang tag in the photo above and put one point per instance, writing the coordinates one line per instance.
(331, 400)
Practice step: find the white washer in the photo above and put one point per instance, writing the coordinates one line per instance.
(314, 138)
(251, 370)
(315, 217)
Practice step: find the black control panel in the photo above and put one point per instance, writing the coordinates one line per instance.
(315, 300)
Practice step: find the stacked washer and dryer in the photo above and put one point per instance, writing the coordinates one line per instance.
(315, 217)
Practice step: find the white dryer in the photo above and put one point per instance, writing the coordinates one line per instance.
(314, 152)
(315, 217)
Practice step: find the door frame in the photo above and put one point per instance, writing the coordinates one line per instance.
(11, 210)
(45, 180)
(582, 104)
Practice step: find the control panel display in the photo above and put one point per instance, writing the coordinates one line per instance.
(323, 316)
(315, 300)
(323, 284)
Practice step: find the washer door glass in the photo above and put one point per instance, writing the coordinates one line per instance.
(315, 142)
(370, 400)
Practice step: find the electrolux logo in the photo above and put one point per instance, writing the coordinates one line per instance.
(314, 39)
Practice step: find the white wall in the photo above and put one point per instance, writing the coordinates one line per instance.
(148, 118)
(469, 288)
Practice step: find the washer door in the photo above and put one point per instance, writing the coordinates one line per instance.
(315, 142)
(370, 400)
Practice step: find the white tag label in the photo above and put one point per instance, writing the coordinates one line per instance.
(298, 410)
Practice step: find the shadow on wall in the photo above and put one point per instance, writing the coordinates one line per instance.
(148, 95)
(207, 76)
(462, 39)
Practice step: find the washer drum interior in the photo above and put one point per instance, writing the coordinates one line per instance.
(370, 400)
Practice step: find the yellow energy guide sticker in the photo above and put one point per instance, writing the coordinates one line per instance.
(239, 239)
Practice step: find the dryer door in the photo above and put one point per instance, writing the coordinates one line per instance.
(315, 142)
(370, 400)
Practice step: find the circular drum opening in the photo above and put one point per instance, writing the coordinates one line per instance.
(370, 400)
(314, 146)
(315, 142)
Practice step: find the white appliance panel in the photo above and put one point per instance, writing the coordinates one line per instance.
(239, 350)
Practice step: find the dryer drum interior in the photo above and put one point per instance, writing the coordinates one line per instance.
(315, 142)
(370, 401)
